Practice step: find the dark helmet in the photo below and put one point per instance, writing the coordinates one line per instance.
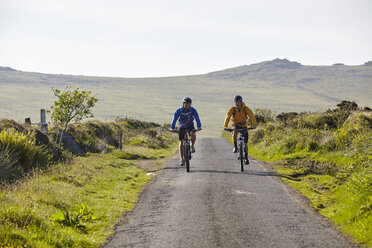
(238, 98)
(187, 100)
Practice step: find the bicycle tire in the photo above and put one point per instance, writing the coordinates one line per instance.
(241, 156)
(187, 157)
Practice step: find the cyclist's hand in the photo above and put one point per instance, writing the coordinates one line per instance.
(225, 128)
(172, 130)
(199, 128)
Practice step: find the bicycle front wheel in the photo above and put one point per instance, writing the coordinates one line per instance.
(241, 153)
(187, 156)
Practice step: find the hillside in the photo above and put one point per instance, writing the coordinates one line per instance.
(279, 84)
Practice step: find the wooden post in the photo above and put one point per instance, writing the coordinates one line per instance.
(28, 121)
(43, 124)
(121, 141)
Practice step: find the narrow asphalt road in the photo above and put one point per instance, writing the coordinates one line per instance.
(215, 205)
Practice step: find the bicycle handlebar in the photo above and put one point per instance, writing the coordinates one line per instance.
(178, 131)
(239, 129)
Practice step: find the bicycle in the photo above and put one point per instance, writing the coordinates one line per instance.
(240, 142)
(186, 148)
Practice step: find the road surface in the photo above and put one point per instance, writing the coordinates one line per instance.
(215, 205)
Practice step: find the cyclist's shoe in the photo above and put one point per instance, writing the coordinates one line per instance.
(182, 163)
(192, 149)
(235, 150)
(246, 161)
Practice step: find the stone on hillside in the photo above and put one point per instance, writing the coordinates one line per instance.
(283, 63)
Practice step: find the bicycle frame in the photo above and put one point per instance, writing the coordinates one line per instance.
(241, 144)
(186, 149)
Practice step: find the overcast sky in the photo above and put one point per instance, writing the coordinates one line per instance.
(179, 37)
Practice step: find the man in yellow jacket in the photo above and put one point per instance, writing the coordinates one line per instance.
(238, 115)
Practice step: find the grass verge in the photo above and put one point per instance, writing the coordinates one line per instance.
(75, 204)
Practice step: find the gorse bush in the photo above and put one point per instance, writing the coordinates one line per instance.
(355, 132)
(264, 115)
(315, 132)
(324, 121)
(19, 153)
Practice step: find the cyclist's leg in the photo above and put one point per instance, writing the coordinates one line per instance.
(235, 138)
(193, 138)
(181, 136)
(235, 135)
(181, 150)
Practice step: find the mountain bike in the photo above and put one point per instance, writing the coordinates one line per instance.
(240, 143)
(186, 144)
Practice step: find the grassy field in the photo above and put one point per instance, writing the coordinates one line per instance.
(279, 85)
(75, 203)
(328, 158)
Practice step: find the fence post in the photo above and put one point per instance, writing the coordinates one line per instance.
(28, 121)
(121, 140)
(43, 124)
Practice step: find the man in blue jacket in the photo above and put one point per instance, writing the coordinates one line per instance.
(186, 115)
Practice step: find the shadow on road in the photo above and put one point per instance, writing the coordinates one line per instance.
(175, 168)
(254, 173)
(247, 172)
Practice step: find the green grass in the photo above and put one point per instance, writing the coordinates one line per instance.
(74, 205)
(348, 204)
(78, 202)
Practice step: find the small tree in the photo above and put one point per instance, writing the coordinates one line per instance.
(72, 104)
(264, 115)
(348, 106)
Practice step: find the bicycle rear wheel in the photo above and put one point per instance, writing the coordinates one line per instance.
(241, 153)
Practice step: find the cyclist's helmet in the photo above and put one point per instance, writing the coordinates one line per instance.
(187, 100)
(238, 98)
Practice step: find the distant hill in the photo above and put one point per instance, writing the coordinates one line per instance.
(6, 69)
(279, 84)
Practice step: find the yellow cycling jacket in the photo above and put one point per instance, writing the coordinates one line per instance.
(240, 117)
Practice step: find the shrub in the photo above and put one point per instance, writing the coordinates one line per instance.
(20, 154)
(328, 141)
(284, 117)
(288, 145)
(312, 146)
(324, 121)
(257, 135)
(102, 137)
(347, 105)
(264, 115)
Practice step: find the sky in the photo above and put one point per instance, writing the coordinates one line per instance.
(158, 38)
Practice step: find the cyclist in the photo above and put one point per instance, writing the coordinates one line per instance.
(186, 115)
(238, 115)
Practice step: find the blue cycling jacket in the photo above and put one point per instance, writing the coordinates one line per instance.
(186, 118)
